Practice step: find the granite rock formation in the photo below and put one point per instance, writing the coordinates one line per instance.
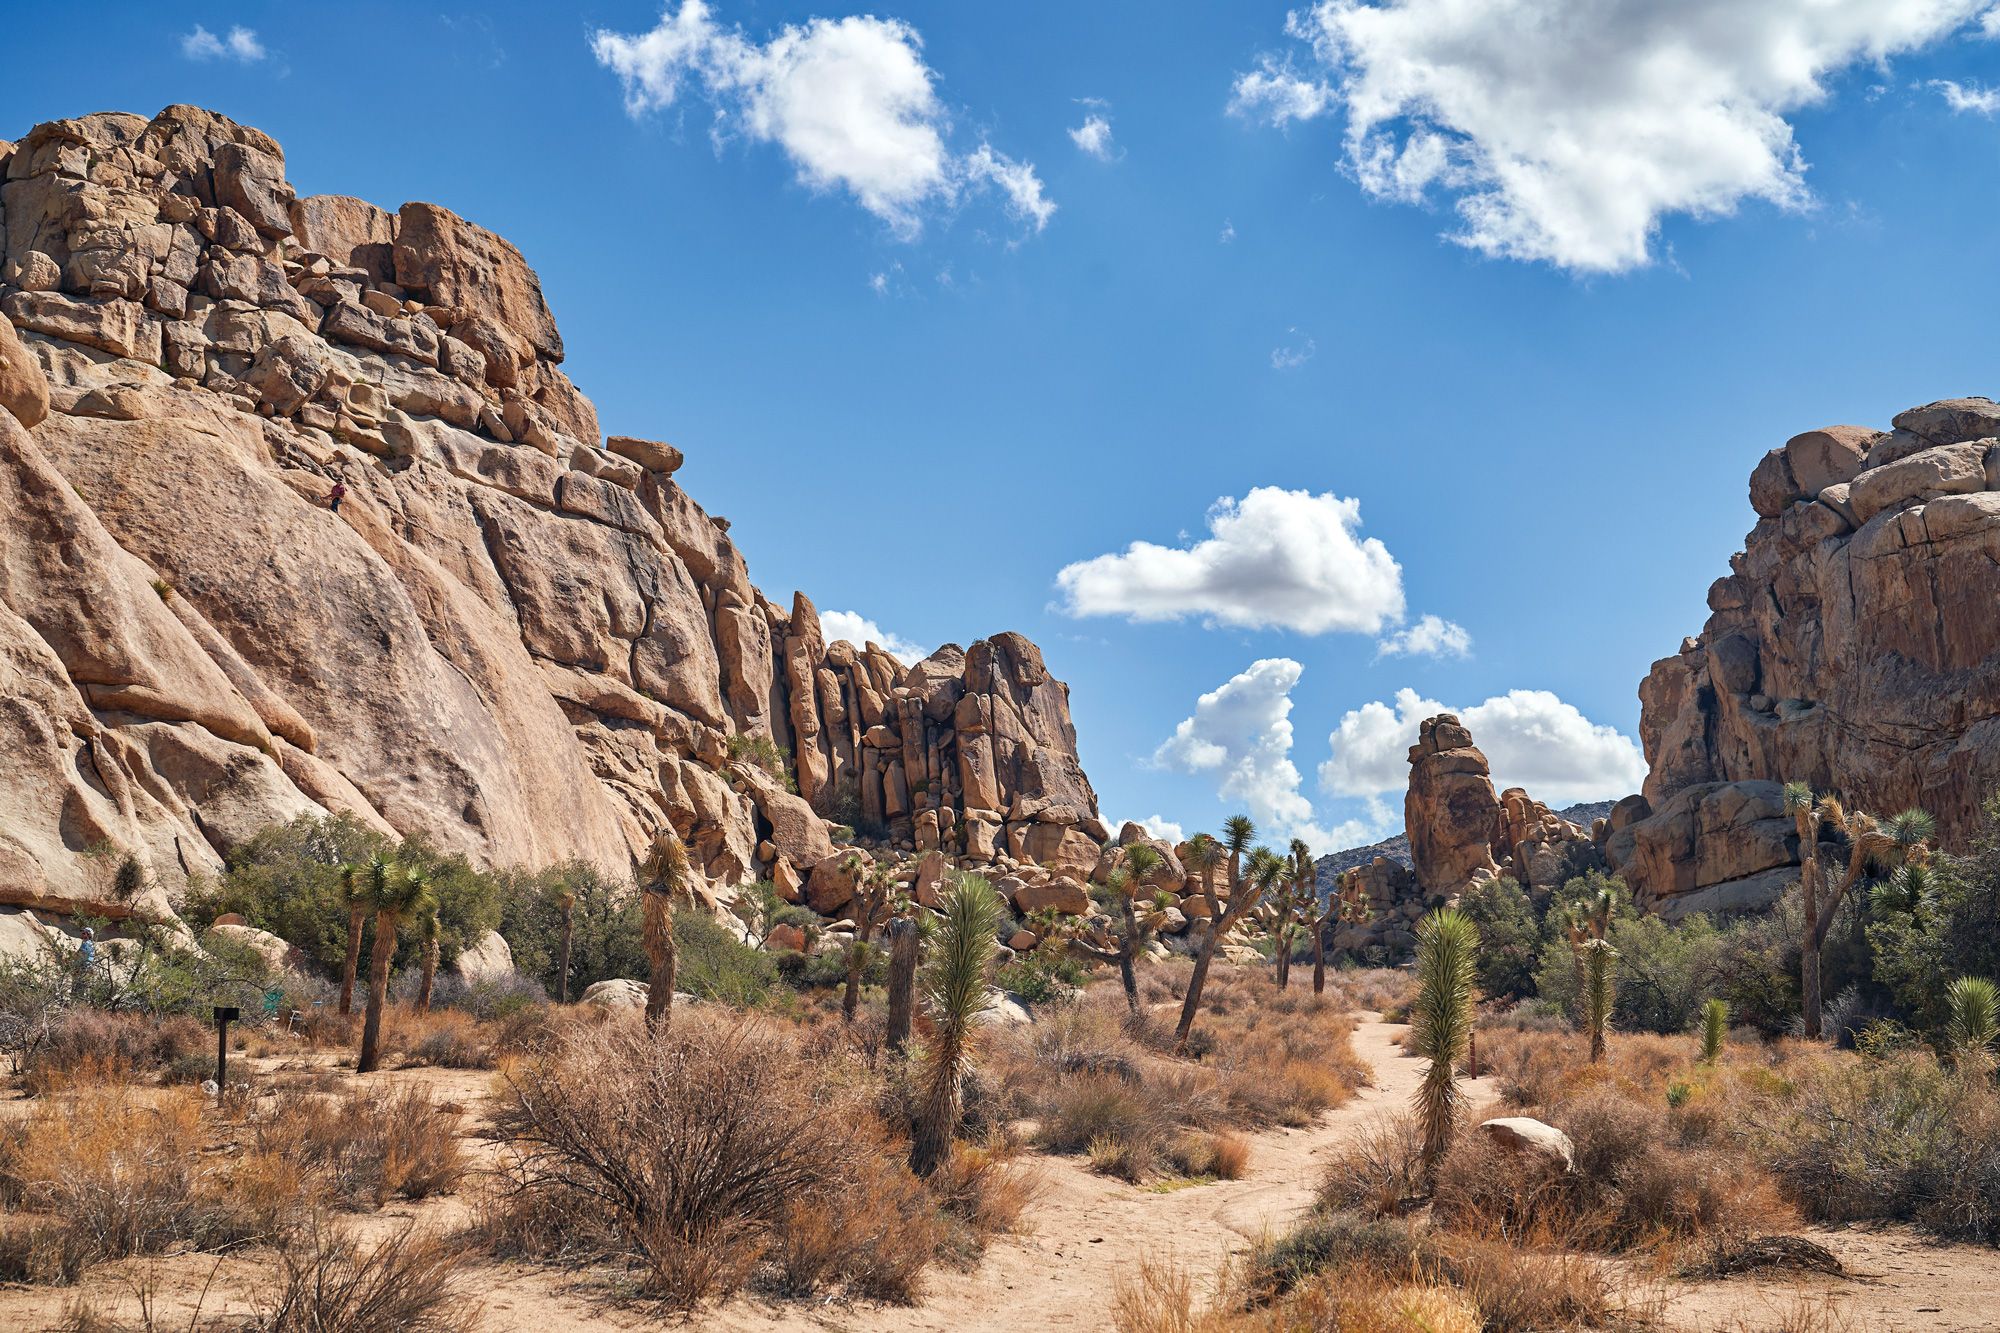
(523, 641)
(1854, 645)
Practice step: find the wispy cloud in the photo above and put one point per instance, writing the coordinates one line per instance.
(1295, 353)
(239, 44)
(1431, 636)
(1968, 97)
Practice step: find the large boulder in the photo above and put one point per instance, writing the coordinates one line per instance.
(1451, 813)
(1854, 645)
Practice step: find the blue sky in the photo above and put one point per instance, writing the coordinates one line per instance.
(1520, 292)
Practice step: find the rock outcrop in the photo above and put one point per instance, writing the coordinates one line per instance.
(1461, 831)
(1854, 645)
(521, 642)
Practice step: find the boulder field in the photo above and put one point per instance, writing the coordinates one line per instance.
(510, 634)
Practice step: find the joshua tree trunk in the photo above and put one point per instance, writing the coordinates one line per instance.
(355, 916)
(1197, 979)
(1128, 977)
(430, 975)
(1285, 953)
(664, 957)
(903, 946)
(569, 933)
(378, 992)
(1319, 955)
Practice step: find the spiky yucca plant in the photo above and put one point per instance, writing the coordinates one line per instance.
(398, 892)
(1972, 1006)
(953, 984)
(1441, 1024)
(1600, 987)
(1714, 1029)
(663, 879)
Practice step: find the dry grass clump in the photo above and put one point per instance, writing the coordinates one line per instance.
(1669, 1148)
(411, 1282)
(1340, 1270)
(1163, 1297)
(1898, 1137)
(725, 1151)
(106, 1171)
(365, 1147)
(96, 1046)
(1094, 1079)
(101, 1173)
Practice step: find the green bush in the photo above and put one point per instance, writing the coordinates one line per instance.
(286, 880)
(1508, 935)
(1949, 933)
(607, 940)
(715, 965)
(1898, 1137)
(1041, 976)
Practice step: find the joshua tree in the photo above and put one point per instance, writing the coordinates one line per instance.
(566, 904)
(1237, 834)
(1599, 990)
(954, 992)
(871, 907)
(663, 878)
(904, 945)
(397, 893)
(358, 883)
(1313, 915)
(1973, 1023)
(432, 929)
(1714, 1030)
(1441, 1024)
(1140, 863)
(1903, 840)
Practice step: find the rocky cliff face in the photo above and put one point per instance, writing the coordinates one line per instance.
(517, 640)
(1854, 645)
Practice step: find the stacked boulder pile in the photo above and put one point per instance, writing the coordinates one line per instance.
(1461, 833)
(510, 635)
(1854, 645)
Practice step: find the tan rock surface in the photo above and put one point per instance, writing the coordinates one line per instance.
(520, 644)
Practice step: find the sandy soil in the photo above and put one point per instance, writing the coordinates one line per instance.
(1088, 1229)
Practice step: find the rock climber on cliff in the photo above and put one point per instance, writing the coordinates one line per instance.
(335, 496)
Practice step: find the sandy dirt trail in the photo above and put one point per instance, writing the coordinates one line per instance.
(1088, 1228)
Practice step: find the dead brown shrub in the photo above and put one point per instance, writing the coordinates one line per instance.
(410, 1282)
(366, 1146)
(103, 1173)
(703, 1144)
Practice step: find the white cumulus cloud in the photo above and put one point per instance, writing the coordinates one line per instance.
(1531, 738)
(1566, 129)
(239, 44)
(1274, 559)
(1968, 97)
(1240, 735)
(1431, 636)
(850, 101)
(1093, 137)
(857, 629)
